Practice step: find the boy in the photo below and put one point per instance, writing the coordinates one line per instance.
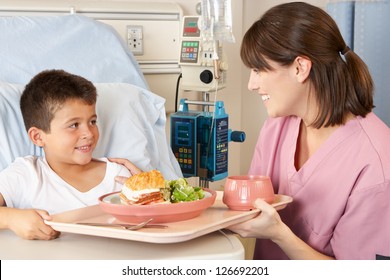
(58, 109)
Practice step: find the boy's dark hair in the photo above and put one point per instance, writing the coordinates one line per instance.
(48, 91)
(341, 79)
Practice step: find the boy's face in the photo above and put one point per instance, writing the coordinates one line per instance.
(73, 134)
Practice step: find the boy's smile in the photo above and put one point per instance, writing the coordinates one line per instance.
(84, 149)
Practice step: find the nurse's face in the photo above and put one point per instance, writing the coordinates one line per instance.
(280, 90)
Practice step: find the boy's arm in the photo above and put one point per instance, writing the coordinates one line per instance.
(26, 223)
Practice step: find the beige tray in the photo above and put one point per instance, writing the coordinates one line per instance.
(212, 219)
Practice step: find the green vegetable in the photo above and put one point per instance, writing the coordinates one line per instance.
(181, 191)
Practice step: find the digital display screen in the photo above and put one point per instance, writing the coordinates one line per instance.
(182, 127)
(190, 27)
(183, 134)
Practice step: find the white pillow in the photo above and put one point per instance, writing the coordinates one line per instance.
(14, 141)
(75, 43)
(131, 122)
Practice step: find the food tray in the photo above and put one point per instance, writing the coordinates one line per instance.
(216, 217)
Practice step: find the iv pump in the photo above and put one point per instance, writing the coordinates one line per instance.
(199, 141)
(200, 138)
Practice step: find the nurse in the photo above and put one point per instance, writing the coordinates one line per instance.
(321, 145)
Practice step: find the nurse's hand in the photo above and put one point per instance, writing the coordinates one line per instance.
(267, 225)
(129, 165)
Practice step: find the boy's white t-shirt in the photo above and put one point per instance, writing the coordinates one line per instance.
(29, 182)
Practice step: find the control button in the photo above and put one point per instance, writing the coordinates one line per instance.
(206, 76)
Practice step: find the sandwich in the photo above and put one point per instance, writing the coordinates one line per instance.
(145, 188)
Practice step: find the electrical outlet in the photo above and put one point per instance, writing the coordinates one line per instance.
(135, 39)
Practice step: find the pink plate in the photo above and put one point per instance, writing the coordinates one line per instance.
(161, 213)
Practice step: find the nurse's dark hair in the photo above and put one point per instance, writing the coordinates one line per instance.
(48, 91)
(341, 79)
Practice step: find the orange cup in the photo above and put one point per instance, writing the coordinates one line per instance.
(241, 191)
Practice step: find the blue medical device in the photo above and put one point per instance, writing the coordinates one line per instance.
(199, 140)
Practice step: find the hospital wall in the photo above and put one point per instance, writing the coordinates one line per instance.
(245, 109)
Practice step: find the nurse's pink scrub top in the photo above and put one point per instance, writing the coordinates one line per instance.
(341, 194)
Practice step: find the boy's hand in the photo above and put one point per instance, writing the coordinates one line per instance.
(29, 224)
(129, 165)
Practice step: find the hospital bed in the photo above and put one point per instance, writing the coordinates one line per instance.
(131, 118)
